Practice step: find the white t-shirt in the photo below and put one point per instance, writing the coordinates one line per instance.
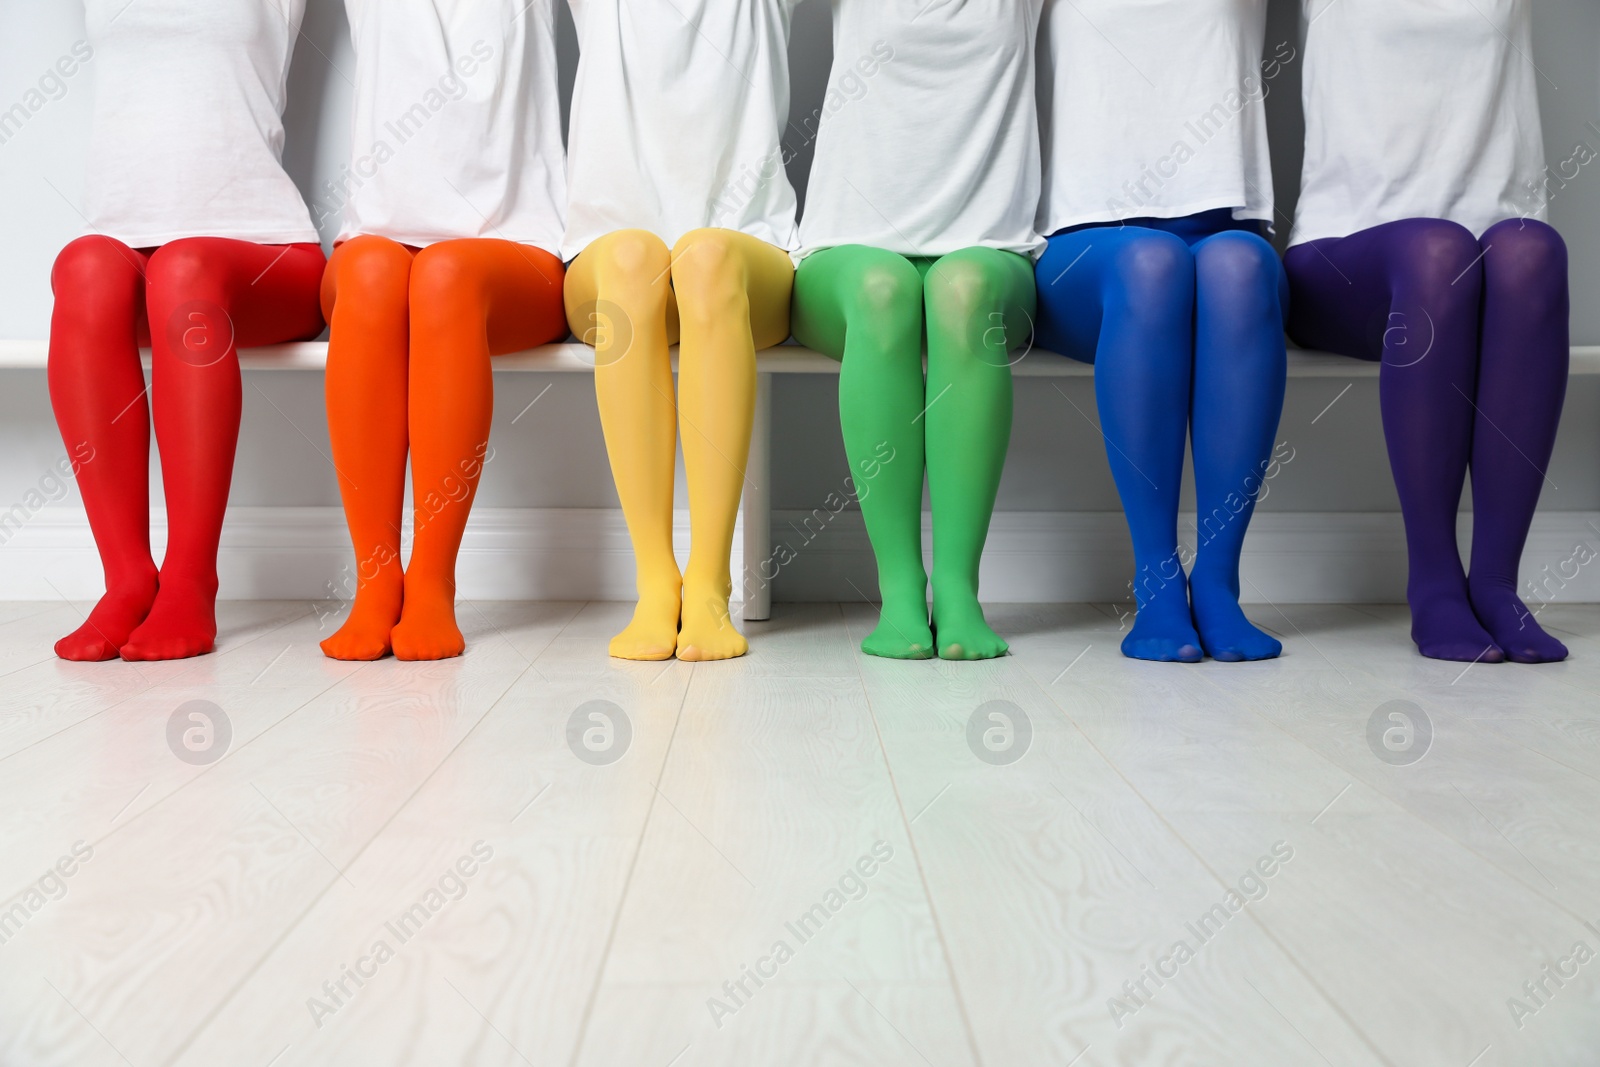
(929, 134)
(457, 123)
(1419, 109)
(676, 120)
(187, 132)
(1153, 109)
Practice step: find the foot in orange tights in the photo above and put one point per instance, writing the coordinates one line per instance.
(427, 627)
(365, 634)
(106, 630)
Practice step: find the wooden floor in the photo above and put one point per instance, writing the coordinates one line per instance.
(471, 863)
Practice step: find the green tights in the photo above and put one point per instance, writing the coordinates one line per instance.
(867, 308)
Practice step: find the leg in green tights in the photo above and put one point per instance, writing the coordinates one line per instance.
(863, 306)
(980, 306)
(867, 308)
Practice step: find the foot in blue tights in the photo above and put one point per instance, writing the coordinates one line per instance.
(1225, 633)
(1162, 630)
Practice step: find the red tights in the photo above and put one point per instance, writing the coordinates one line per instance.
(206, 296)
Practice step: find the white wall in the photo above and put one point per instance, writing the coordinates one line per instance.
(554, 458)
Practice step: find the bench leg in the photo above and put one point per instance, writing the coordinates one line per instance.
(758, 507)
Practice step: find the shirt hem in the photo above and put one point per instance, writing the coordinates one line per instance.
(1241, 213)
(1300, 235)
(418, 241)
(260, 237)
(571, 250)
(1032, 250)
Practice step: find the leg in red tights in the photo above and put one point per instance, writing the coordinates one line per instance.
(98, 392)
(203, 298)
(470, 300)
(366, 298)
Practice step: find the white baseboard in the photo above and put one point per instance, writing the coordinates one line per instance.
(304, 552)
(1289, 557)
(582, 554)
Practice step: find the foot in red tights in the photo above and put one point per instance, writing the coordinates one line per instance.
(182, 623)
(106, 630)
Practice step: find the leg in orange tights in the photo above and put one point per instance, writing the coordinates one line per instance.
(197, 300)
(468, 300)
(366, 296)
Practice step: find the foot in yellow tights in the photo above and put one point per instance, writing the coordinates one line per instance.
(708, 632)
(652, 634)
(720, 295)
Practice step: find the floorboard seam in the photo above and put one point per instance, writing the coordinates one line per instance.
(916, 856)
(627, 882)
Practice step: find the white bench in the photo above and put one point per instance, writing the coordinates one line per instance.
(573, 358)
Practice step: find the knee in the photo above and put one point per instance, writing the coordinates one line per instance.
(1241, 273)
(1437, 257)
(181, 268)
(708, 276)
(631, 259)
(972, 310)
(960, 290)
(93, 266)
(888, 289)
(372, 268)
(885, 307)
(1525, 269)
(446, 298)
(1152, 279)
(963, 302)
(1523, 250)
(446, 287)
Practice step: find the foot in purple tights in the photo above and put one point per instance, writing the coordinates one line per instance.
(1444, 626)
(1503, 613)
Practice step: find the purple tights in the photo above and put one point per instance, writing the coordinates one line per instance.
(1473, 335)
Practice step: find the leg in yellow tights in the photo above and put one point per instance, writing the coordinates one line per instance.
(720, 295)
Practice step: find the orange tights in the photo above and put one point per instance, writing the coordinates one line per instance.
(409, 324)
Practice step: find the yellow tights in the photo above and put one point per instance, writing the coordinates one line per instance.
(720, 295)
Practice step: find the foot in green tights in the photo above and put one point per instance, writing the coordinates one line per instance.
(870, 308)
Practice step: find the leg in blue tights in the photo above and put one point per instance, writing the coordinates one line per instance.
(1130, 299)
(1240, 369)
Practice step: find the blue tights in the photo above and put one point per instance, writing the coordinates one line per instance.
(1183, 320)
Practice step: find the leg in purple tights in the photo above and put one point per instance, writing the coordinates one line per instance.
(1522, 383)
(1412, 294)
